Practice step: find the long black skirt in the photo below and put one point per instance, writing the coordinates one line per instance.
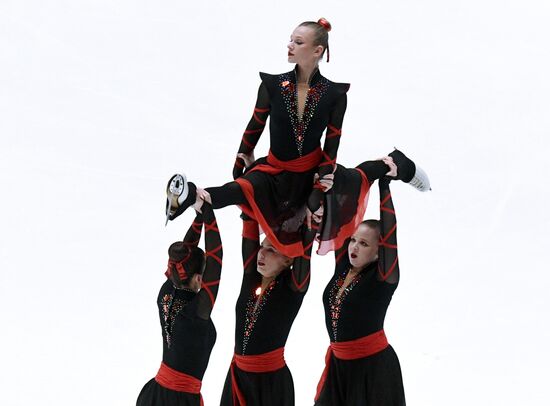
(154, 394)
(278, 203)
(371, 381)
(261, 389)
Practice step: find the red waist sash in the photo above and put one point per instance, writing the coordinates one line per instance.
(303, 164)
(178, 381)
(354, 349)
(267, 362)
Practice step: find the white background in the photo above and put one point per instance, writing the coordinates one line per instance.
(101, 101)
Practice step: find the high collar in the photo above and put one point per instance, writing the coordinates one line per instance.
(314, 78)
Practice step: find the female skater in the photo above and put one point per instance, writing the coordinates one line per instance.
(302, 104)
(361, 367)
(185, 302)
(272, 292)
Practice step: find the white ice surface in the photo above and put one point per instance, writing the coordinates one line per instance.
(102, 101)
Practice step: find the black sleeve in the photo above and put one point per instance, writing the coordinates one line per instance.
(330, 149)
(212, 272)
(388, 263)
(250, 244)
(301, 266)
(341, 254)
(254, 129)
(193, 235)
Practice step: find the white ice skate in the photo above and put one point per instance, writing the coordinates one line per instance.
(180, 194)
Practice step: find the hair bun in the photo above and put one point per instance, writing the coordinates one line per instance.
(325, 24)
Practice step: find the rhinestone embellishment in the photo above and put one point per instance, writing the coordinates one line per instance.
(335, 302)
(254, 307)
(170, 309)
(290, 97)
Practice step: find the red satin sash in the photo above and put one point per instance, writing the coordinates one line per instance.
(303, 164)
(267, 362)
(354, 349)
(178, 381)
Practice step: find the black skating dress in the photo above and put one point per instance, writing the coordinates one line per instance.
(277, 187)
(258, 375)
(188, 333)
(359, 313)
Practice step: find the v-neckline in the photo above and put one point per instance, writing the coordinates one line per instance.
(299, 115)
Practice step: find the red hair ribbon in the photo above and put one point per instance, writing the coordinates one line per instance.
(179, 267)
(324, 23)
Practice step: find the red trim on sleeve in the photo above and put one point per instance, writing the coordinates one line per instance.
(333, 132)
(206, 287)
(212, 254)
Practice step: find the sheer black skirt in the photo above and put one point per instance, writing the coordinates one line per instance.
(261, 389)
(278, 203)
(154, 394)
(371, 381)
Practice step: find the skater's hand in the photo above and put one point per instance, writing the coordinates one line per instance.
(327, 181)
(247, 158)
(317, 216)
(388, 160)
(202, 196)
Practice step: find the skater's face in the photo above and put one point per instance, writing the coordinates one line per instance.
(271, 262)
(302, 49)
(363, 246)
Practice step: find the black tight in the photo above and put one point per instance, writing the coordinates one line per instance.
(226, 195)
(374, 169)
(232, 194)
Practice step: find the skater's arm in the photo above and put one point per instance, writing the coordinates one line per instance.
(388, 263)
(332, 136)
(330, 150)
(250, 244)
(254, 129)
(212, 272)
(193, 235)
(301, 266)
(341, 254)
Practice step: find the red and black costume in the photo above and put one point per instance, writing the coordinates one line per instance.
(275, 189)
(258, 375)
(361, 367)
(187, 330)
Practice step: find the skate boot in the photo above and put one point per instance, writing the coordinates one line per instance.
(180, 194)
(409, 173)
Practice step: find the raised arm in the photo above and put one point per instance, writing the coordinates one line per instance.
(213, 255)
(388, 263)
(330, 149)
(250, 244)
(341, 254)
(332, 137)
(254, 129)
(193, 235)
(301, 266)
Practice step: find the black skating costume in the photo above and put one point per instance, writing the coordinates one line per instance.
(258, 375)
(187, 331)
(361, 367)
(274, 190)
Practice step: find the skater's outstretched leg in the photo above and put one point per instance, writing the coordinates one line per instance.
(182, 194)
(407, 171)
(226, 195)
